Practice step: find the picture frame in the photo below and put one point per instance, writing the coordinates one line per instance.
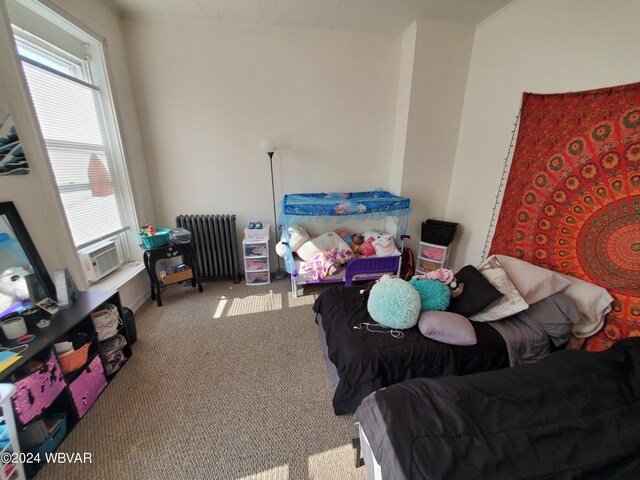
(48, 305)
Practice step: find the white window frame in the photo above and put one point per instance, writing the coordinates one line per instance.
(94, 70)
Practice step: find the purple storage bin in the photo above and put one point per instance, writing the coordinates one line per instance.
(86, 388)
(37, 391)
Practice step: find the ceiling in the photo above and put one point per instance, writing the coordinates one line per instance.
(376, 16)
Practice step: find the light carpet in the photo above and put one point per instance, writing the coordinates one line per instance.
(225, 384)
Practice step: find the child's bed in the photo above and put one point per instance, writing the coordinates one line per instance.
(337, 207)
(574, 414)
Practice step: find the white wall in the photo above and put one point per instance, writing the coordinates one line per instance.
(403, 103)
(542, 46)
(208, 93)
(34, 194)
(434, 68)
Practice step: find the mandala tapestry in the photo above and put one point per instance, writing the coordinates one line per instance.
(572, 199)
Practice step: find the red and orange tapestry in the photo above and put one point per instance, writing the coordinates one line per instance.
(572, 199)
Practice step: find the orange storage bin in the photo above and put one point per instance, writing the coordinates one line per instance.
(72, 361)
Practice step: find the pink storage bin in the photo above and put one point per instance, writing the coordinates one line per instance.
(87, 387)
(37, 391)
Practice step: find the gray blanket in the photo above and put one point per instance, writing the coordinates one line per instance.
(527, 333)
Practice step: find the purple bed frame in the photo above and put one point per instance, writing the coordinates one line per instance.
(365, 268)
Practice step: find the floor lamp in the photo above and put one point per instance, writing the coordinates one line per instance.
(270, 149)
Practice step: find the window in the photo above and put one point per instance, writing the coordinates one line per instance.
(78, 124)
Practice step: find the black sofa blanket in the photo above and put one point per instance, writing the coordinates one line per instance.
(574, 414)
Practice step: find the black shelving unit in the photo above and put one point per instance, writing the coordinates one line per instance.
(71, 320)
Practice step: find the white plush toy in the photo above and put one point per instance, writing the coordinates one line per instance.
(298, 236)
(13, 287)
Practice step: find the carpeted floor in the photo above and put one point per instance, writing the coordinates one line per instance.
(226, 384)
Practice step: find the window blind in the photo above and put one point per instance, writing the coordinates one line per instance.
(71, 118)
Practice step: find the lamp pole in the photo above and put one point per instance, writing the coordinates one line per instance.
(279, 274)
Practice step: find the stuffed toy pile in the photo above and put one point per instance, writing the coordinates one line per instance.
(365, 245)
(396, 303)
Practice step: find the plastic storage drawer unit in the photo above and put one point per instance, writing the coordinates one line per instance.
(431, 257)
(256, 262)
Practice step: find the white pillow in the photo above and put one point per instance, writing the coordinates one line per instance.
(298, 236)
(370, 234)
(385, 246)
(593, 303)
(324, 242)
(511, 301)
(534, 283)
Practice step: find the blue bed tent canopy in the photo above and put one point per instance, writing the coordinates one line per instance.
(374, 205)
(298, 208)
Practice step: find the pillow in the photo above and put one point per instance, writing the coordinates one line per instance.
(370, 234)
(534, 283)
(447, 327)
(593, 303)
(434, 295)
(394, 303)
(298, 236)
(511, 301)
(476, 295)
(385, 246)
(323, 243)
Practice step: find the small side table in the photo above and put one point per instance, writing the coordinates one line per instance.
(153, 255)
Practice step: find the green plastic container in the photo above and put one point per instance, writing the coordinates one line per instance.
(160, 239)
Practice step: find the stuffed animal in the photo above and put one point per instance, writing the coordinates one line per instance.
(394, 303)
(13, 287)
(370, 234)
(344, 235)
(434, 295)
(385, 246)
(445, 276)
(298, 236)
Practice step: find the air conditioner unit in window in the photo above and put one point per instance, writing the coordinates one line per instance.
(100, 260)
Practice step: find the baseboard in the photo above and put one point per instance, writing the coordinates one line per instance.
(140, 301)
